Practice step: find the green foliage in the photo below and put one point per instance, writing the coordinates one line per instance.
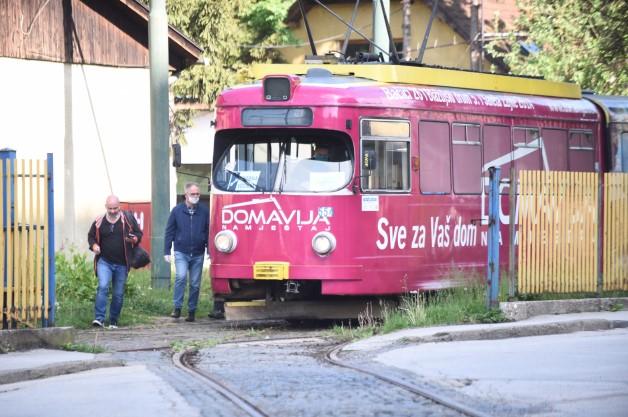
(75, 276)
(449, 306)
(581, 41)
(83, 347)
(264, 21)
(233, 34)
(215, 25)
(615, 307)
(182, 345)
(76, 292)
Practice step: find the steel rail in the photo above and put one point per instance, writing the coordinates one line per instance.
(332, 357)
(181, 360)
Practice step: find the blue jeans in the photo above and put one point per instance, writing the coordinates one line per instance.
(108, 272)
(183, 264)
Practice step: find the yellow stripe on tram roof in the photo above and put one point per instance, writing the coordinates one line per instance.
(389, 73)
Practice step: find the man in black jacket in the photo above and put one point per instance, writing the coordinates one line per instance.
(111, 238)
(188, 229)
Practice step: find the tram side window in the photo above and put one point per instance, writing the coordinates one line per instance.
(434, 158)
(497, 152)
(389, 142)
(527, 137)
(581, 151)
(555, 146)
(467, 158)
(624, 152)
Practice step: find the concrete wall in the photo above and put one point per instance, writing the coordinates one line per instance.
(94, 120)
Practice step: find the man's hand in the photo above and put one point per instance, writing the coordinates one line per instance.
(96, 249)
(167, 258)
(132, 239)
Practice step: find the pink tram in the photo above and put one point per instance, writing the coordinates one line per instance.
(371, 180)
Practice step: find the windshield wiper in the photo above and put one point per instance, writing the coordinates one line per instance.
(244, 180)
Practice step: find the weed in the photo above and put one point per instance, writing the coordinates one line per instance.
(182, 345)
(83, 347)
(616, 307)
(76, 291)
(448, 306)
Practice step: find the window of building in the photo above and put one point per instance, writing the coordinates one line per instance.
(434, 157)
(388, 142)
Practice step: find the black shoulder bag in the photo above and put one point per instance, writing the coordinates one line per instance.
(139, 258)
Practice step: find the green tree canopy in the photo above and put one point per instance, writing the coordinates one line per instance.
(233, 34)
(581, 41)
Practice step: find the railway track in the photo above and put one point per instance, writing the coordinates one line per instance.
(332, 356)
(183, 361)
(186, 362)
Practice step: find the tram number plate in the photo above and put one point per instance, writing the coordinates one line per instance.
(271, 270)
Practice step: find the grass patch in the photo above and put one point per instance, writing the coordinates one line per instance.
(76, 292)
(181, 345)
(83, 347)
(458, 305)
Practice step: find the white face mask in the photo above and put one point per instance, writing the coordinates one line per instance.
(193, 200)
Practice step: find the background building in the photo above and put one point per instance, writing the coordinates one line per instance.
(459, 26)
(74, 81)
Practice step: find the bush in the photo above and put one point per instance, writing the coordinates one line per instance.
(76, 293)
(75, 277)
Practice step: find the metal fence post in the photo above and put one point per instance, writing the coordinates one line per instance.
(512, 202)
(52, 299)
(8, 155)
(493, 239)
(600, 234)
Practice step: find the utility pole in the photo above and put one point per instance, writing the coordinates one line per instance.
(474, 34)
(406, 29)
(160, 136)
(380, 36)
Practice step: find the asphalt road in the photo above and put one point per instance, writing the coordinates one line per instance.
(580, 374)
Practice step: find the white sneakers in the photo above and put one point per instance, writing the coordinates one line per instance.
(98, 323)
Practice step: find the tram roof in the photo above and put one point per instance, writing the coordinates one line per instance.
(441, 77)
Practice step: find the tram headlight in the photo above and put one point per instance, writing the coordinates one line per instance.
(225, 241)
(323, 243)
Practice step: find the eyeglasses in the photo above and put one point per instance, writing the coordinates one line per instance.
(195, 194)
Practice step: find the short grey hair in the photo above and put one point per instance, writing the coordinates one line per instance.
(191, 184)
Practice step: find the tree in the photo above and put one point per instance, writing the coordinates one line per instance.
(233, 34)
(581, 41)
(215, 25)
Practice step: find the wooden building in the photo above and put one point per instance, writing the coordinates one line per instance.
(74, 81)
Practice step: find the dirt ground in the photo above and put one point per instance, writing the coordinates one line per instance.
(166, 332)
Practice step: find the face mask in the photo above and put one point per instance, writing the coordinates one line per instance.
(194, 200)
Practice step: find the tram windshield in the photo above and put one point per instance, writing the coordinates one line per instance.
(286, 160)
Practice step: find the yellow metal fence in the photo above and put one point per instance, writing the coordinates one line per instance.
(24, 242)
(558, 232)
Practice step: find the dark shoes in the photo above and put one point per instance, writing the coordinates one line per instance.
(176, 313)
(217, 315)
(190, 316)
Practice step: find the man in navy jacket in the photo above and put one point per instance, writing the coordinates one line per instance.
(188, 229)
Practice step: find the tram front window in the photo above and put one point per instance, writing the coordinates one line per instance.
(306, 161)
